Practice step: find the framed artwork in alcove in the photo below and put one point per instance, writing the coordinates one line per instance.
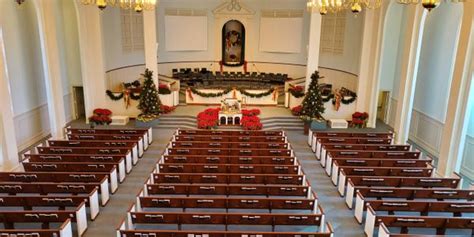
(233, 43)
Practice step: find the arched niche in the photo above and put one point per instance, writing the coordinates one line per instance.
(233, 43)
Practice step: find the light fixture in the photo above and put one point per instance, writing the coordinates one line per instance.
(427, 4)
(334, 6)
(19, 1)
(136, 5)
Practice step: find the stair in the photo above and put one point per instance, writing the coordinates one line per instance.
(282, 123)
(177, 121)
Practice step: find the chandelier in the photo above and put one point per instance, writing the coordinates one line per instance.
(334, 6)
(136, 5)
(428, 4)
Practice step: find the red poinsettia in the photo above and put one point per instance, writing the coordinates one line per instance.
(250, 112)
(359, 119)
(208, 119)
(296, 111)
(165, 109)
(101, 116)
(163, 89)
(251, 123)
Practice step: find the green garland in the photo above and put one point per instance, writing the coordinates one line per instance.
(259, 95)
(114, 97)
(346, 101)
(296, 94)
(208, 95)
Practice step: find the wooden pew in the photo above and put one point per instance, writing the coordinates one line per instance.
(378, 208)
(374, 162)
(225, 203)
(317, 149)
(77, 163)
(95, 152)
(142, 145)
(218, 138)
(347, 171)
(195, 178)
(44, 218)
(109, 144)
(314, 136)
(229, 152)
(15, 188)
(227, 189)
(437, 224)
(225, 219)
(63, 230)
(122, 232)
(327, 147)
(228, 168)
(146, 133)
(364, 194)
(55, 202)
(218, 159)
(354, 182)
(230, 133)
(101, 179)
(327, 160)
(230, 145)
(110, 169)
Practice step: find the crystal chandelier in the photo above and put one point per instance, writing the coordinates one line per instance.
(136, 5)
(334, 6)
(428, 4)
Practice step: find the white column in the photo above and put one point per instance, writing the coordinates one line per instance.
(92, 57)
(51, 66)
(313, 46)
(455, 125)
(9, 147)
(151, 44)
(368, 81)
(409, 71)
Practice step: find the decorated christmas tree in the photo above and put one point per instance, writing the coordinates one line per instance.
(149, 100)
(312, 106)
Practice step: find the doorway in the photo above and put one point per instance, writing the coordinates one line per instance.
(382, 107)
(79, 106)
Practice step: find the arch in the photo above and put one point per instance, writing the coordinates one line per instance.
(233, 43)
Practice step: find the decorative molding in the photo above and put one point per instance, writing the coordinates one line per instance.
(68, 106)
(232, 8)
(467, 166)
(426, 132)
(32, 126)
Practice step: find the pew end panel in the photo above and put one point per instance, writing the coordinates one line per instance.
(370, 220)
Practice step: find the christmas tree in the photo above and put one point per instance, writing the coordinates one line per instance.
(313, 106)
(149, 100)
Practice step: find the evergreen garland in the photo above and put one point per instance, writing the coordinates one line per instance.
(208, 95)
(313, 106)
(114, 97)
(259, 95)
(328, 98)
(296, 93)
(149, 103)
(134, 96)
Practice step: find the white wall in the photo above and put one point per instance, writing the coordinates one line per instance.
(24, 64)
(115, 57)
(437, 60)
(349, 60)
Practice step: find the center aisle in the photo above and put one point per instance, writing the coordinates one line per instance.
(337, 213)
(110, 217)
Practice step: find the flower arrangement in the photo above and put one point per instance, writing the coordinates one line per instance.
(165, 109)
(251, 123)
(296, 91)
(101, 117)
(208, 119)
(250, 112)
(359, 120)
(164, 89)
(296, 111)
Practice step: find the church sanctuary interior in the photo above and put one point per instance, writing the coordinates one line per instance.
(236, 118)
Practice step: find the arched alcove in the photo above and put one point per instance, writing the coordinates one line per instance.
(233, 43)
(25, 71)
(435, 70)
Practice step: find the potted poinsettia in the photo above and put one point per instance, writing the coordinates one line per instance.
(100, 117)
(313, 107)
(359, 120)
